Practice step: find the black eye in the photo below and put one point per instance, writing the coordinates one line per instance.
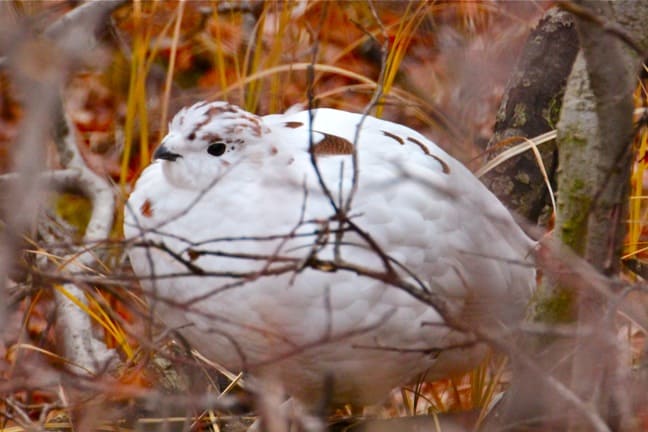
(216, 149)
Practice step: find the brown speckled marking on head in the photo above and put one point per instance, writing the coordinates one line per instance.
(256, 125)
(146, 209)
(212, 112)
(251, 122)
(199, 125)
(211, 137)
(394, 137)
(273, 150)
(220, 109)
(293, 124)
(246, 120)
(332, 145)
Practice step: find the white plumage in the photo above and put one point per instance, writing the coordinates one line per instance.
(236, 200)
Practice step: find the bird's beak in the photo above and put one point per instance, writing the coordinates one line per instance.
(164, 153)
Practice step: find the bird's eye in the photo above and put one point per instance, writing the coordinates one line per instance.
(216, 149)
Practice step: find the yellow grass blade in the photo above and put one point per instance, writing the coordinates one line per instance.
(47, 354)
(408, 25)
(112, 327)
(635, 208)
(294, 67)
(102, 319)
(169, 78)
(516, 150)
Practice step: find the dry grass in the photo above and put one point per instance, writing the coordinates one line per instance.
(446, 68)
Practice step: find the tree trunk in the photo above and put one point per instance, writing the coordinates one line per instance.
(595, 162)
(530, 107)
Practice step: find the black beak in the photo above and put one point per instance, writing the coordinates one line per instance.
(164, 153)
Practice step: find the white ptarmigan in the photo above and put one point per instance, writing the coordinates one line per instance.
(248, 260)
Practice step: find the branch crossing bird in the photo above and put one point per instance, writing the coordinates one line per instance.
(318, 280)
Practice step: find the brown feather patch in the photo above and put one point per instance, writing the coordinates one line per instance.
(333, 145)
(146, 209)
(395, 137)
(444, 166)
(293, 124)
(212, 137)
(420, 144)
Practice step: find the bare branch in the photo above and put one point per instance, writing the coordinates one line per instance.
(586, 14)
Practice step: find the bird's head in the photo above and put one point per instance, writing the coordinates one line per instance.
(205, 140)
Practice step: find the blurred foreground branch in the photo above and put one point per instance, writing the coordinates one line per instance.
(40, 66)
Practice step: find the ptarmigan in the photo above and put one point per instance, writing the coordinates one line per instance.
(250, 260)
